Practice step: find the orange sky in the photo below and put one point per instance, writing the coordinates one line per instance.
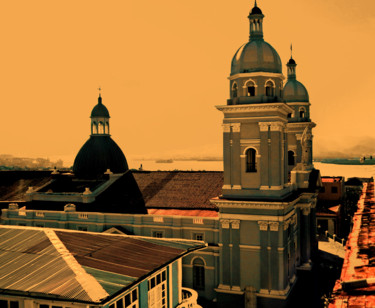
(163, 66)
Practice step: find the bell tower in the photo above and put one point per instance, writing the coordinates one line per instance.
(267, 221)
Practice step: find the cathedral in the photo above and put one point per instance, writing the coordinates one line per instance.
(257, 217)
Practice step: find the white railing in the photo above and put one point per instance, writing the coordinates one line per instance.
(189, 299)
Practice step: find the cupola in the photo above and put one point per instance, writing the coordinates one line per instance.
(100, 119)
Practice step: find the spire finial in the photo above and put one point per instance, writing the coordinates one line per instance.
(255, 4)
(100, 95)
(291, 50)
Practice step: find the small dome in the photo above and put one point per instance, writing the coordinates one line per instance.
(98, 154)
(256, 56)
(294, 91)
(291, 61)
(100, 110)
(256, 11)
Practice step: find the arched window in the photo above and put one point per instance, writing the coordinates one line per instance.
(100, 128)
(106, 127)
(234, 90)
(198, 274)
(290, 158)
(250, 88)
(302, 113)
(251, 160)
(269, 88)
(94, 128)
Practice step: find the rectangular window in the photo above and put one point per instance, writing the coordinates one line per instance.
(158, 234)
(82, 228)
(130, 300)
(3, 304)
(9, 304)
(157, 291)
(198, 236)
(83, 216)
(334, 189)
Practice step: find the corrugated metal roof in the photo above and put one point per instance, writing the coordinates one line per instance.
(80, 266)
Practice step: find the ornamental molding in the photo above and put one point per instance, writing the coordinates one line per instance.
(281, 107)
(256, 74)
(274, 226)
(226, 128)
(223, 203)
(263, 225)
(299, 126)
(306, 211)
(236, 127)
(272, 126)
(225, 223)
(299, 104)
(235, 224)
(286, 224)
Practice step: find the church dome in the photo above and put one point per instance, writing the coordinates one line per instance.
(98, 154)
(100, 110)
(294, 91)
(256, 56)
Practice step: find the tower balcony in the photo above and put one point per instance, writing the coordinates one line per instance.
(244, 100)
(189, 299)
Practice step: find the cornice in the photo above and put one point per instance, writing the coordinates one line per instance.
(252, 204)
(281, 107)
(256, 74)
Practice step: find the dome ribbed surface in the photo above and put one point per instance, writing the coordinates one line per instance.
(256, 56)
(294, 91)
(100, 111)
(98, 154)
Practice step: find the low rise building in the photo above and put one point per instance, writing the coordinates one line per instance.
(43, 268)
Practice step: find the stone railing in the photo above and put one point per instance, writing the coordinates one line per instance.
(189, 299)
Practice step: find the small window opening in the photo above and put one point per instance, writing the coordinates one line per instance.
(290, 158)
(234, 90)
(251, 160)
(269, 89)
(302, 113)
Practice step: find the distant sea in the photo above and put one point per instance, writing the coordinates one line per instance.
(346, 171)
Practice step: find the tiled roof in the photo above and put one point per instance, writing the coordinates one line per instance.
(80, 266)
(356, 285)
(180, 189)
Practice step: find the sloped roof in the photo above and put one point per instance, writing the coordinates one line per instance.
(180, 189)
(359, 258)
(80, 266)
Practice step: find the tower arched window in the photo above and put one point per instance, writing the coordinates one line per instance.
(94, 127)
(250, 88)
(106, 130)
(302, 113)
(234, 90)
(100, 128)
(291, 158)
(269, 88)
(198, 274)
(251, 160)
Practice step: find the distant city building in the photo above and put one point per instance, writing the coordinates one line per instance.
(42, 268)
(258, 216)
